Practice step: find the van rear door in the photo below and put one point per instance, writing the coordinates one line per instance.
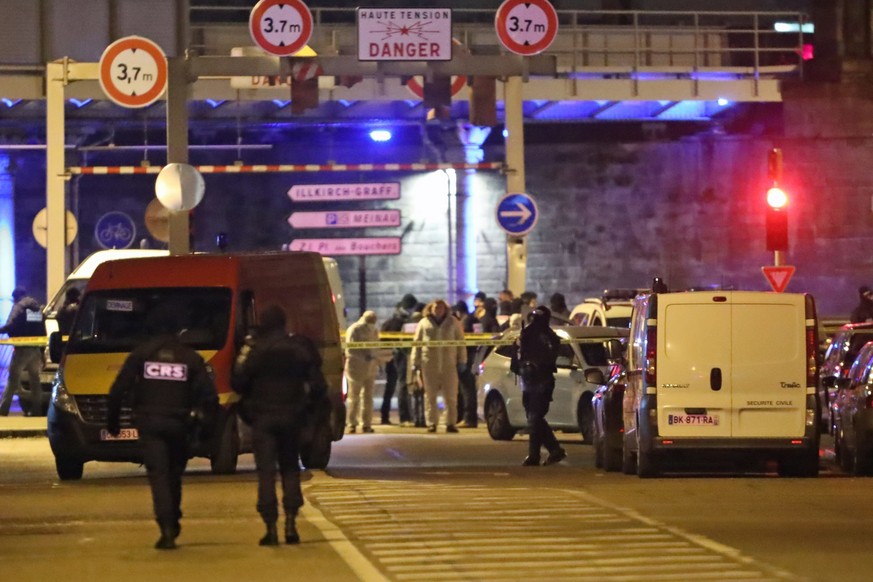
(769, 365)
(693, 365)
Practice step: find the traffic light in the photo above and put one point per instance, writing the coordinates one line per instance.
(777, 219)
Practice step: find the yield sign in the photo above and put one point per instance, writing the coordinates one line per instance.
(778, 277)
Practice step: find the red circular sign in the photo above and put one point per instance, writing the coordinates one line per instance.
(280, 27)
(133, 71)
(414, 85)
(526, 27)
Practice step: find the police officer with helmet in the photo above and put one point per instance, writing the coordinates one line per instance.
(169, 387)
(279, 377)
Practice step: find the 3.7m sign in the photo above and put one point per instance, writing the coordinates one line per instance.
(404, 34)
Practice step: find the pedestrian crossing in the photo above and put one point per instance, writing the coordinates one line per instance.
(420, 532)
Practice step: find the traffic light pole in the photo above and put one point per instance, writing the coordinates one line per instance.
(778, 258)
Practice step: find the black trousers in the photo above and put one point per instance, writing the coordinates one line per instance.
(536, 404)
(467, 401)
(275, 440)
(395, 380)
(164, 441)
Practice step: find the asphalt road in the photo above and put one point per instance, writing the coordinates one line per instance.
(405, 505)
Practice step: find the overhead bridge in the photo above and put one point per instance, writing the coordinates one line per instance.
(603, 65)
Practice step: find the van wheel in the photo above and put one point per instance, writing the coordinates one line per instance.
(497, 419)
(226, 448)
(585, 416)
(69, 469)
(628, 462)
(612, 458)
(646, 465)
(844, 456)
(804, 465)
(861, 461)
(316, 453)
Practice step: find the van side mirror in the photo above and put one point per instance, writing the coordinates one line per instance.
(829, 381)
(56, 347)
(595, 376)
(842, 383)
(614, 350)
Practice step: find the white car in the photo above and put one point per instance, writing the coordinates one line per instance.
(571, 410)
(612, 309)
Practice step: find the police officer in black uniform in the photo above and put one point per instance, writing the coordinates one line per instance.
(537, 353)
(278, 375)
(169, 387)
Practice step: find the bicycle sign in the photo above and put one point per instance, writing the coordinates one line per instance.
(115, 230)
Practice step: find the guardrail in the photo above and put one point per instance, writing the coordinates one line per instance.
(604, 42)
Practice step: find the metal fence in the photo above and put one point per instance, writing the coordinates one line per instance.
(601, 41)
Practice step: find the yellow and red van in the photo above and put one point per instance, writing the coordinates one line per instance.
(218, 298)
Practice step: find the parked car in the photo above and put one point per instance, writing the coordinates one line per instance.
(500, 392)
(838, 359)
(608, 418)
(612, 309)
(853, 416)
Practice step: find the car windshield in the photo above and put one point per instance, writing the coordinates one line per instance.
(115, 321)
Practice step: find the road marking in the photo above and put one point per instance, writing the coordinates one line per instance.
(423, 531)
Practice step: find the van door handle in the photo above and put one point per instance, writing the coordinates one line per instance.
(715, 379)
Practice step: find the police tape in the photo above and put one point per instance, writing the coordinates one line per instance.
(38, 342)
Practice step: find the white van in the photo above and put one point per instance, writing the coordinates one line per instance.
(722, 371)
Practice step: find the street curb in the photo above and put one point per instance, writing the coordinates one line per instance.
(28, 433)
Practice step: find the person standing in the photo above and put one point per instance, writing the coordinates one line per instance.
(25, 320)
(558, 307)
(168, 385)
(361, 367)
(863, 312)
(467, 413)
(528, 304)
(67, 312)
(278, 376)
(438, 365)
(537, 353)
(395, 368)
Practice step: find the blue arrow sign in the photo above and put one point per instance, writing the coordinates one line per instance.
(517, 214)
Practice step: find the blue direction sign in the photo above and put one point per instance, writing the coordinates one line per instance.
(517, 214)
(115, 230)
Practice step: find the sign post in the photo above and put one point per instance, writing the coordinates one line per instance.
(133, 72)
(526, 27)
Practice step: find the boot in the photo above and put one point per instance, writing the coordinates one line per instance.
(291, 535)
(167, 540)
(271, 538)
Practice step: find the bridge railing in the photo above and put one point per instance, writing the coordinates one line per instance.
(602, 42)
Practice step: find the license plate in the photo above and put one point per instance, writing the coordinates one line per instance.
(693, 419)
(126, 434)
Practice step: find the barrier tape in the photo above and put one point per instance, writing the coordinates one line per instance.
(470, 340)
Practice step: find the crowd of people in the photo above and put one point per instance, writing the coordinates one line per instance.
(418, 376)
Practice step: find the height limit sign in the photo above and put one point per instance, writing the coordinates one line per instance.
(280, 27)
(526, 27)
(133, 71)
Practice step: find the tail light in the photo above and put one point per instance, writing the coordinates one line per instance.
(811, 343)
(651, 351)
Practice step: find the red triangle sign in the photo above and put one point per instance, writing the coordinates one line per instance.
(778, 277)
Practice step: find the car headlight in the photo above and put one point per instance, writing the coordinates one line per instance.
(61, 399)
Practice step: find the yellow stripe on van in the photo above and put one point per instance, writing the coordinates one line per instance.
(93, 374)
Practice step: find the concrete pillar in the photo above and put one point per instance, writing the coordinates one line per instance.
(55, 194)
(177, 144)
(516, 247)
(7, 237)
(466, 284)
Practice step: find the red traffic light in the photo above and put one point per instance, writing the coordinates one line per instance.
(777, 198)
